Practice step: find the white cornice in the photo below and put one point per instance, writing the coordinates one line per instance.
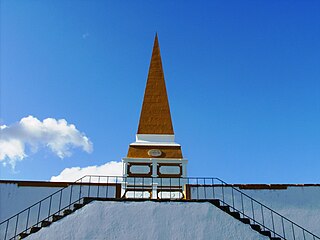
(160, 160)
(155, 140)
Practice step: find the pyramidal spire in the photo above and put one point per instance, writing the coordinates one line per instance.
(155, 117)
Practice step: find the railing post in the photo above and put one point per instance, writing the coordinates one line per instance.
(188, 190)
(70, 196)
(204, 188)
(232, 197)
(116, 188)
(16, 228)
(80, 190)
(212, 182)
(125, 183)
(222, 185)
(49, 207)
(170, 188)
(264, 228)
(254, 220)
(98, 186)
(134, 187)
(89, 186)
(107, 190)
(60, 202)
(161, 187)
(7, 226)
(39, 213)
(284, 233)
(27, 219)
(180, 188)
(274, 232)
(197, 189)
(142, 195)
(294, 236)
(154, 194)
(242, 205)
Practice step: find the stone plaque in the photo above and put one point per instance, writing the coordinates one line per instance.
(154, 153)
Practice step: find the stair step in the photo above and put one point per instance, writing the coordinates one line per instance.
(34, 229)
(225, 208)
(77, 206)
(245, 220)
(23, 235)
(87, 200)
(266, 233)
(67, 212)
(215, 202)
(45, 223)
(255, 227)
(56, 218)
(235, 215)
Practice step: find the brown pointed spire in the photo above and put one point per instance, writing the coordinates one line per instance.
(155, 115)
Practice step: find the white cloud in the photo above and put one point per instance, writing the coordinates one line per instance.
(30, 133)
(72, 174)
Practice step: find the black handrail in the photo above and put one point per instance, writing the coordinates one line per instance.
(283, 217)
(6, 222)
(140, 185)
(42, 200)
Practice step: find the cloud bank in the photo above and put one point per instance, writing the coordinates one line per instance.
(32, 134)
(72, 174)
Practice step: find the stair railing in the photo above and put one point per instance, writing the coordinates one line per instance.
(248, 207)
(107, 187)
(56, 203)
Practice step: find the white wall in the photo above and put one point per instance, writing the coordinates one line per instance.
(301, 204)
(148, 220)
(14, 199)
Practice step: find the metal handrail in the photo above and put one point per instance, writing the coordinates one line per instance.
(215, 183)
(41, 200)
(271, 210)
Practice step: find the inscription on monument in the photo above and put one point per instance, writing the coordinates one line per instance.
(154, 153)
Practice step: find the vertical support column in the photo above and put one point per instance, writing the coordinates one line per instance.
(154, 190)
(187, 191)
(184, 169)
(125, 168)
(154, 167)
(117, 190)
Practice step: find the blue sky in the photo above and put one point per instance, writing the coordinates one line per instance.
(243, 80)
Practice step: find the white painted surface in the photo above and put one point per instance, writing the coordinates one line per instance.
(154, 162)
(148, 220)
(299, 204)
(154, 137)
(155, 140)
(140, 169)
(169, 169)
(14, 199)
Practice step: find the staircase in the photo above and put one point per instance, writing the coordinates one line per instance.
(237, 215)
(55, 217)
(86, 200)
(224, 196)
